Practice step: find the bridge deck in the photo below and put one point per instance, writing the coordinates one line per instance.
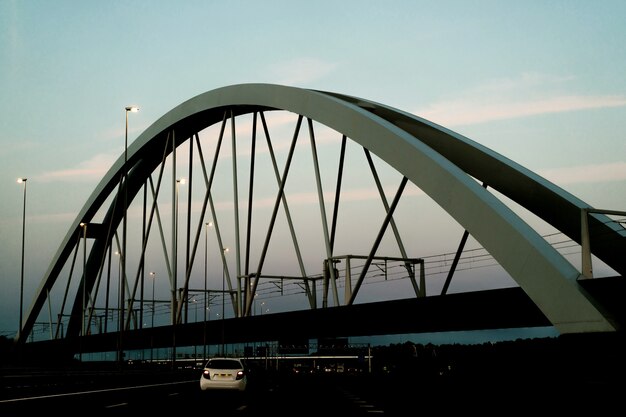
(480, 310)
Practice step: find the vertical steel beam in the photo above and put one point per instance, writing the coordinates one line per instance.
(249, 295)
(174, 272)
(586, 268)
(320, 199)
(348, 290)
(236, 299)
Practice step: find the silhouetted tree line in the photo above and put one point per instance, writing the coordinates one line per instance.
(567, 359)
(582, 357)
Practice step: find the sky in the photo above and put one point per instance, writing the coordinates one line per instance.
(540, 82)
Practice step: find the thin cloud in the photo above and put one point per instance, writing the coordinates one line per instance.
(307, 198)
(514, 98)
(615, 171)
(87, 171)
(475, 111)
(302, 71)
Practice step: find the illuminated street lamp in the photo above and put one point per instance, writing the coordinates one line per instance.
(253, 296)
(223, 280)
(84, 227)
(153, 275)
(119, 289)
(175, 254)
(131, 109)
(174, 301)
(22, 181)
(206, 255)
(225, 251)
(84, 285)
(206, 297)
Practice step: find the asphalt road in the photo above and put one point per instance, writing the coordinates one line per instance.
(310, 395)
(307, 395)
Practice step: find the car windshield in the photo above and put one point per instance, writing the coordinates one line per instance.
(223, 364)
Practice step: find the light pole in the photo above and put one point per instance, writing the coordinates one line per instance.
(84, 227)
(132, 109)
(22, 181)
(206, 297)
(195, 345)
(175, 256)
(225, 251)
(119, 289)
(153, 275)
(253, 297)
(120, 308)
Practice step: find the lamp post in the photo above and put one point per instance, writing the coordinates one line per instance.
(253, 298)
(195, 345)
(84, 227)
(131, 109)
(120, 307)
(119, 289)
(22, 181)
(175, 256)
(206, 297)
(153, 275)
(225, 251)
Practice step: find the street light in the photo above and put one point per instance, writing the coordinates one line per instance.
(120, 302)
(84, 226)
(206, 297)
(225, 251)
(22, 181)
(131, 109)
(206, 255)
(175, 254)
(153, 275)
(253, 296)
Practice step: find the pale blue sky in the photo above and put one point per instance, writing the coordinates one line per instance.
(541, 82)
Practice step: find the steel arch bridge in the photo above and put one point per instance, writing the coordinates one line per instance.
(111, 232)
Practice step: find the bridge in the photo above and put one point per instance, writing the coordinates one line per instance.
(276, 213)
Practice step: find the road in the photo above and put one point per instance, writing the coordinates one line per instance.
(291, 395)
(317, 395)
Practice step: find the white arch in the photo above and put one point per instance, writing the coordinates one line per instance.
(543, 273)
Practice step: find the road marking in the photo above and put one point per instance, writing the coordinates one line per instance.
(116, 405)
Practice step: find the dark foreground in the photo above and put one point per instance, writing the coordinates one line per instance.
(560, 375)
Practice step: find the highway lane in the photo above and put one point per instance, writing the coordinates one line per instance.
(320, 395)
(277, 396)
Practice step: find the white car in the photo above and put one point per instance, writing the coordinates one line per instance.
(224, 374)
